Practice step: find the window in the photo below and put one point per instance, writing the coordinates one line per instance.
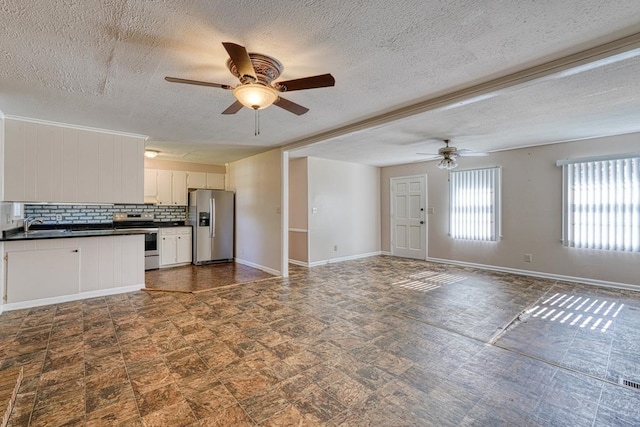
(601, 203)
(474, 198)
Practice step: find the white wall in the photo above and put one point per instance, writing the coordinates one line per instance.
(531, 211)
(347, 199)
(257, 183)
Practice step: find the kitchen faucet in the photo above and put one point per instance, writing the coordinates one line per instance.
(28, 222)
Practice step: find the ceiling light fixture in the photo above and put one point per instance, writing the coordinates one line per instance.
(255, 96)
(448, 163)
(151, 154)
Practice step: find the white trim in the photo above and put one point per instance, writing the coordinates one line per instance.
(388, 253)
(284, 213)
(598, 158)
(72, 297)
(79, 127)
(300, 263)
(258, 266)
(344, 258)
(559, 277)
(298, 230)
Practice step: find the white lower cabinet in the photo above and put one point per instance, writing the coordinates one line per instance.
(33, 275)
(49, 268)
(175, 246)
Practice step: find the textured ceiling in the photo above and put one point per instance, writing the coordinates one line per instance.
(102, 64)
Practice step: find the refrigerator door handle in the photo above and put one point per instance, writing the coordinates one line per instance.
(212, 219)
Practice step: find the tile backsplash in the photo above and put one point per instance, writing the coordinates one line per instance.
(92, 214)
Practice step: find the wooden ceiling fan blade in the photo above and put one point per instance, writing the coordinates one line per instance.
(233, 108)
(240, 57)
(313, 82)
(291, 107)
(196, 82)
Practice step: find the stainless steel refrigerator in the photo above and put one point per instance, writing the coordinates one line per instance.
(211, 213)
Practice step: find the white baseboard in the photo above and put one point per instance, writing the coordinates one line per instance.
(258, 266)
(300, 263)
(543, 275)
(345, 258)
(67, 298)
(386, 253)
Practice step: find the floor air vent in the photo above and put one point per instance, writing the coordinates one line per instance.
(632, 384)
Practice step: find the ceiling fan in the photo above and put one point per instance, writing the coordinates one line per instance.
(449, 155)
(257, 89)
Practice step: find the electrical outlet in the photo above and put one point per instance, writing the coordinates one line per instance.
(58, 217)
(528, 258)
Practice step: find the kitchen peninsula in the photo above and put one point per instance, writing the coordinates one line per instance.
(52, 163)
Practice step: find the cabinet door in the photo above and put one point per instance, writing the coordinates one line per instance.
(132, 169)
(168, 250)
(70, 165)
(106, 190)
(179, 188)
(215, 181)
(57, 274)
(184, 246)
(196, 180)
(14, 160)
(88, 167)
(164, 187)
(150, 185)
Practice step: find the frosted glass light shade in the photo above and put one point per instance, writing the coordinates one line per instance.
(448, 163)
(255, 96)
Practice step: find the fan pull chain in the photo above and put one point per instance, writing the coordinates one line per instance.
(256, 125)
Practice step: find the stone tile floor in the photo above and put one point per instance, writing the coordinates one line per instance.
(191, 278)
(348, 344)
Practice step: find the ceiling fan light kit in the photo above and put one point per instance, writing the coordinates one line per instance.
(255, 95)
(448, 163)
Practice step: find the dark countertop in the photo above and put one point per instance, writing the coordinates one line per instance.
(62, 231)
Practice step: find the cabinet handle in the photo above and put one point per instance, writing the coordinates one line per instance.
(75, 250)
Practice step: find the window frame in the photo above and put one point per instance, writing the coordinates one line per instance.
(495, 232)
(568, 230)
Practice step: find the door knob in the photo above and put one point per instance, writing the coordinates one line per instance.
(421, 222)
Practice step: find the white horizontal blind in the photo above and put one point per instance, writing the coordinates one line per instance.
(474, 211)
(602, 204)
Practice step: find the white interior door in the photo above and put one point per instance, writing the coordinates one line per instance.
(408, 219)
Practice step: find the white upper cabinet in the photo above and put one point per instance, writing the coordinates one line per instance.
(215, 181)
(150, 185)
(171, 187)
(164, 187)
(179, 188)
(53, 163)
(167, 187)
(196, 180)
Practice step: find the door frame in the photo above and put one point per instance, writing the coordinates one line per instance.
(392, 211)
